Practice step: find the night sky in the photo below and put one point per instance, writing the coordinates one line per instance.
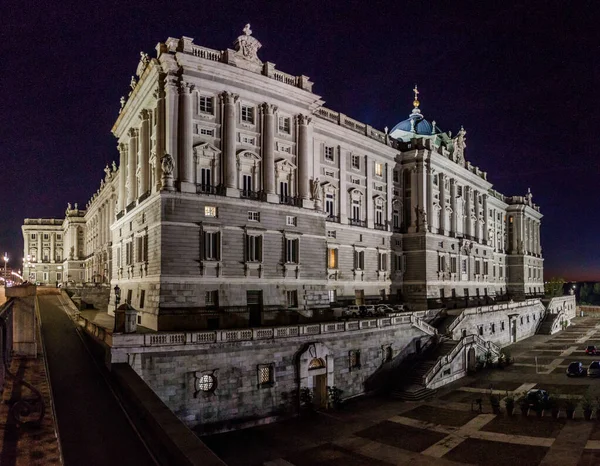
(522, 77)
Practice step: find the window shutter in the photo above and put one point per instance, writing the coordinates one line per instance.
(145, 245)
(259, 248)
(216, 249)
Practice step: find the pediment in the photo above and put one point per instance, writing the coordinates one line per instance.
(284, 164)
(248, 155)
(206, 148)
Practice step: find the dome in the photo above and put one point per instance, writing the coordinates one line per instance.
(421, 125)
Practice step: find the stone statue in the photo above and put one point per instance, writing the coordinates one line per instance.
(132, 83)
(423, 218)
(520, 247)
(107, 171)
(459, 145)
(316, 189)
(122, 100)
(69, 206)
(76, 206)
(247, 46)
(144, 58)
(72, 252)
(114, 166)
(167, 166)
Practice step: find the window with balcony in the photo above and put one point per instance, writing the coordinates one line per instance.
(379, 215)
(206, 105)
(253, 248)
(330, 204)
(356, 210)
(248, 114)
(246, 185)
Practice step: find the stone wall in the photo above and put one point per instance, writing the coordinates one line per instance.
(239, 399)
(90, 296)
(566, 304)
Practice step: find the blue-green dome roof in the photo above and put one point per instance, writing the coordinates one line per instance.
(421, 125)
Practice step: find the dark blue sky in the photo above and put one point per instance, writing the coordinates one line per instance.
(522, 77)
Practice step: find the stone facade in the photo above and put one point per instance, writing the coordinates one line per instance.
(238, 192)
(43, 251)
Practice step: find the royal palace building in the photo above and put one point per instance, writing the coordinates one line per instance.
(238, 193)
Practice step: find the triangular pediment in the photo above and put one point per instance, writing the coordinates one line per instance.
(206, 148)
(284, 164)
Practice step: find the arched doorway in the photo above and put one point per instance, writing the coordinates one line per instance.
(315, 369)
(471, 360)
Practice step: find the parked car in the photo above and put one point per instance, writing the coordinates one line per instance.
(594, 369)
(591, 349)
(367, 310)
(351, 311)
(537, 397)
(400, 307)
(576, 369)
(384, 308)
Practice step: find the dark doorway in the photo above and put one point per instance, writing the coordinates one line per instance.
(254, 303)
(418, 346)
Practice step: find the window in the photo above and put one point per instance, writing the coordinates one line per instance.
(207, 132)
(205, 179)
(205, 104)
(142, 298)
(356, 161)
(500, 271)
(396, 218)
(118, 254)
(354, 359)
(332, 296)
(485, 267)
(266, 375)
(33, 236)
(212, 242)
(290, 221)
(248, 140)
(129, 295)
(59, 237)
(332, 258)
(207, 383)
(329, 153)
(464, 266)
(45, 276)
(331, 234)
(521, 320)
(283, 190)
(493, 328)
(481, 330)
(284, 125)
(248, 114)
(253, 216)
(210, 211)
(477, 267)
(253, 248)
(291, 298)
(502, 326)
(128, 253)
(382, 261)
(453, 264)
(359, 260)
(45, 236)
(212, 298)
(396, 177)
(459, 190)
(141, 246)
(292, 250)
(355, 209)
(330, 204)
(379, 215)
(246, 184)
(329, 173)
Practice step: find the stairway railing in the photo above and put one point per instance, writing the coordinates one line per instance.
(419, 323)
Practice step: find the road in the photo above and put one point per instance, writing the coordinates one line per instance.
(93, 428)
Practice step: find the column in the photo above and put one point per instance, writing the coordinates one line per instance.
(453, 216)
(441, 185)
(172, 120)
(421, 194)
(342, 194)
(468, 190)
(132, 166)
(539, 238)
(369, 208)
(428, 177)
(268, 151)
(229, 139)
(516, 231)
(414, 204)
(477, 209)
(52, 246)
(40, 256)
(160, 138)
(390, 196)
(144, 151)
(186, 131)
(485, 235)
(303, 154)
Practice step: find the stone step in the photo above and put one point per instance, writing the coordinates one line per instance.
(413, 393)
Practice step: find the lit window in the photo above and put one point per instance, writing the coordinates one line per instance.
(379, 169)
(284, 125)
(205, 104)
(266, 374)
(332, 258)
(210, 211)
(247, 114)
(329, 153)
(206, 383)
(254, 216)
(354, 359)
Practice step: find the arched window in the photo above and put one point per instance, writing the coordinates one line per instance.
(316, 363)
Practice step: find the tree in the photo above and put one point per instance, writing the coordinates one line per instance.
(585, 294)
(554, 287)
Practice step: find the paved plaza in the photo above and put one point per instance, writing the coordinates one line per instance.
(444, 430)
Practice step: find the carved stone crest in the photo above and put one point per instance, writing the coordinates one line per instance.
(247, 46)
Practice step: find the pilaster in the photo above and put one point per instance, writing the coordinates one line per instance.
(132, 165)
(268, 151)
(144, 152)
(185, 156)
(171, 121)
(229, 100)
(303, 145)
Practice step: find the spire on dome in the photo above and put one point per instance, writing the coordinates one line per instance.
(416, 110)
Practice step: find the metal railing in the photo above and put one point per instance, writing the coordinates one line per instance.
(333, 218)
(357, 223)
(290, 200)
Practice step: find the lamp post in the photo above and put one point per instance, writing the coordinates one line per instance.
(117, 301)
(5, 268)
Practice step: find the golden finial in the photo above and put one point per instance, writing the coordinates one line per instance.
(416, 102)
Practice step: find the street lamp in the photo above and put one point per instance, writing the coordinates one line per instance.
(117, 301)
(5, 267)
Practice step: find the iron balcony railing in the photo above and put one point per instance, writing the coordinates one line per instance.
(381, 226)
(256, 195)
(357, 223)
(218, 190)
(333, 218)
(290, 200)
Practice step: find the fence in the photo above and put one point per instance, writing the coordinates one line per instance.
(6, 339)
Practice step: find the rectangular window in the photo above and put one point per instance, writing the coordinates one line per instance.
(210, 211)
(332, 258)
(355, 210)
(356, 161)
(118, 254)
(45, 236)
(329, 153)
(128, 253)
(332, 296)
(142, 298)
(292, 247)
(248, 114)
(211, 298)
(33, 236)
(464, 266)
(502, 326)
(59, 237)
(205, 104)
(453, 264)
(359, 260)
(485, 268)
(331, 234)
(58, 276)
(253, 248)
(212, 242)
(205, 179)
(266, 375)
(330, 204)
(477, 267)
(382, 261)
(379, 215)
(354, 359)
(290, 221)
(207, 132)
(45, 276)
(253, 216)
(129, 295)
(283, 190)
(247, 184)
(396, 219)
(396, 177)
(378, 169)
(291, 298)
(284, 125)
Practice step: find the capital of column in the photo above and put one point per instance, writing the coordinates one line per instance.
(133, 132)
(186, 88)
(158, 94)
(122, 148)
(228, 97)
(303, 120)
(171, 81)
(268, 109)
(144, 115)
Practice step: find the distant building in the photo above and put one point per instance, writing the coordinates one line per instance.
(239, 193)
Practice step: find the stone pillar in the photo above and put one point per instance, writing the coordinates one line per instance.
(477, 223)
(390, 196)
(303, 155)
(40, 257)
(122, 176)
(485, 226)
(441, 184)
(414, 204)
(52, 247)
(469, 230)
(342, 194)
(186, 131)
(229, 139)
(160, 138)
(369, 208)
(453, 216)
(428, 175)
(132, 166)
(268, 151)
(422, 200)
(144, 152)
(171, 122)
